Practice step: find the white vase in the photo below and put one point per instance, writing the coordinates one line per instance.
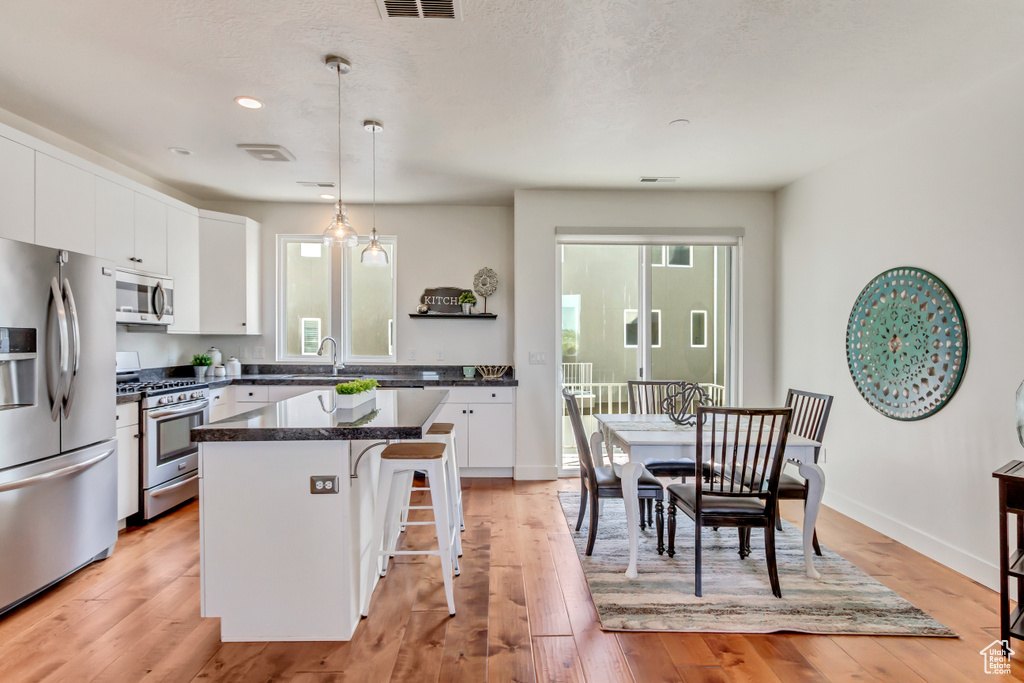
(201, 370)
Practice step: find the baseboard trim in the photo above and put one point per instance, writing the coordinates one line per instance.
(544, 473)
(957, 559)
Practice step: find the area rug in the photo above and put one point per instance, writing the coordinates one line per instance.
(737, 595)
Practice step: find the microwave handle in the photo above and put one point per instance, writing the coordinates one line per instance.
(160, 307)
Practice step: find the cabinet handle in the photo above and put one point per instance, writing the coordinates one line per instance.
(138, 260)
(243, 324)
(471, 412)
(135, 436)
(463, 412)
(494, 396)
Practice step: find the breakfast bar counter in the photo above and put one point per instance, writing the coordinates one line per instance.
(286, 510)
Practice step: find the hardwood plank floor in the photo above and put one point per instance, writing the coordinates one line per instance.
(523, 614)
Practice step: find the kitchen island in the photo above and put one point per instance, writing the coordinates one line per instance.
(286, 510)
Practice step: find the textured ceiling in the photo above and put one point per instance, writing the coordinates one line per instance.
(522, 93)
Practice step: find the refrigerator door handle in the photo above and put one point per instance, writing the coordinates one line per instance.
(76, 348)
(62, 472)
(62, 324)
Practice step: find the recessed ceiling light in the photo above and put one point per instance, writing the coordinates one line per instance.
(181, 151)
(249, 102)
(327, 196)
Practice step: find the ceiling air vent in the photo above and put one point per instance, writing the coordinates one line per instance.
(268, 152)
(658, 179)
(323, 184)
(420, 9)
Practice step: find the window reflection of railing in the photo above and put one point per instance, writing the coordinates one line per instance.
(609, 398)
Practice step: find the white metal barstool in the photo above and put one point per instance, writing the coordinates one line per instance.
(444, 432)
(397, 464)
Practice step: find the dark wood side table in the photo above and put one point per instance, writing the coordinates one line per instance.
(1011, 500)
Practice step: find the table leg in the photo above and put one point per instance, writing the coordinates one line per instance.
(631, 472)
(815, 488)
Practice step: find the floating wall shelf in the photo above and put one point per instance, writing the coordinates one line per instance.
(455, 316)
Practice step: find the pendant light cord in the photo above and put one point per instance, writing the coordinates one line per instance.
(375, 180)
(339, 133)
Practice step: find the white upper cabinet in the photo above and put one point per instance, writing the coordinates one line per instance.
(131, 228)
(150, 234)
(183, 266)
(115, 223)
(65, 206)
(229, 270)
(17, 188)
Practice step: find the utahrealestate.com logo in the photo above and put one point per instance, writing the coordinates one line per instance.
(997, 657)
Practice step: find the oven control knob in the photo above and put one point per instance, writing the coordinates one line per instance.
(182, 397)
(162, 401)
(196, 394)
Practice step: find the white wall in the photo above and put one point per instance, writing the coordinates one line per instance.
(437, 245)
(538, 304)
(941, 193)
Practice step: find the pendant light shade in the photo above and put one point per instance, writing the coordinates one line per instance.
(340, 232)
(374, 254)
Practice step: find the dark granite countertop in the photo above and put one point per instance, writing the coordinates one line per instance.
(128, 398)
(393, 414)
(392, 380)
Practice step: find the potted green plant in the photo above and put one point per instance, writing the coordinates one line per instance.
(466, 299)
(356, 392)
(201, 362)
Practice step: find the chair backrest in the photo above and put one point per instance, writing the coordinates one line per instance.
(582, 445)
(745, 449)
(648, 397)
(810, 415)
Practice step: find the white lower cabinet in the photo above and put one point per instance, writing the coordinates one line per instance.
(222, 404)
(128, 454)
(485, 425)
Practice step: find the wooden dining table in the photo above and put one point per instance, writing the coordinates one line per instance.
(648, 438)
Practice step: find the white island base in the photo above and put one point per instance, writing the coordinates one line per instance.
(277, 562)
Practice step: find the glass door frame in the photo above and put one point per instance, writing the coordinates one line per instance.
(733, 313)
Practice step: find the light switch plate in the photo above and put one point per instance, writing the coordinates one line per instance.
(538, 358)
(323, 483)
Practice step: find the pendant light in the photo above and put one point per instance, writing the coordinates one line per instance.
(374, 254)
(340, 231)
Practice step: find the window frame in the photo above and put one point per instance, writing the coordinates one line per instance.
(625, 327)
(346, 303)
(281, 352)
(337, 324)
(704, 333)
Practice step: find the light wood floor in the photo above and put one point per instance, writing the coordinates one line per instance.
(524, 614)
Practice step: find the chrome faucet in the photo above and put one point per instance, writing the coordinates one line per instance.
(334, 354)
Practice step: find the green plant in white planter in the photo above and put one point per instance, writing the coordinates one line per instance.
(201, 363)
(356, 392)
(466, 299)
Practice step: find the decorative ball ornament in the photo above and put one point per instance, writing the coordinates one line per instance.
(906, 343)
(422, 308)
(485, 282)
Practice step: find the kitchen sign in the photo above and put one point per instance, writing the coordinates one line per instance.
(442, 299)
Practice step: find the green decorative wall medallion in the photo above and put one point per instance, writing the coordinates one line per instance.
(906, 343)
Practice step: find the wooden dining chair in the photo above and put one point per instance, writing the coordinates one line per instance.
(602, 482)
(810, 416)
(735, 441)
(650, 397)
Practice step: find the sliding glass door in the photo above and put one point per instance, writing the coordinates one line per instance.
(632, 311)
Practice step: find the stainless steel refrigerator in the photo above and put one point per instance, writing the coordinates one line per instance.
(58, 456)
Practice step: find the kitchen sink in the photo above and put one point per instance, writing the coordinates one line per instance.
(326, 378)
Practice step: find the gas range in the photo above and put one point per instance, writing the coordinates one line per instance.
(166, 392)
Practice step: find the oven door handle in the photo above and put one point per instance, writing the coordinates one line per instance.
(160, 492)
(180, 409)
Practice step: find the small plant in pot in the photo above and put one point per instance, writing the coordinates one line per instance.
(351, 394)
(201, 362)
(466, 299)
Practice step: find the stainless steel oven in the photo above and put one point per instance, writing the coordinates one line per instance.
(170, 459)
(144, 298)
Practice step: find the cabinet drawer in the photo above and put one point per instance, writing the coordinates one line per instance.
(481, 394)
(127, 414)
(252, 394)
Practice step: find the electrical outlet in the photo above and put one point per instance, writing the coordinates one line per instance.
(538, 358)
(440, 355)
(243, 352)
(323, 483)
(412, 354)
(259, 352)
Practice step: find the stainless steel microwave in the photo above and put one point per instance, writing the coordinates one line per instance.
(144, 298)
